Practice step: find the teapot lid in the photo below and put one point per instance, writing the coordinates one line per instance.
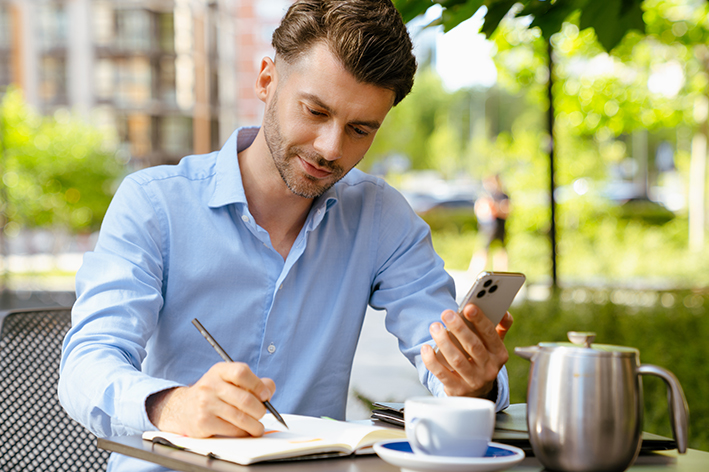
(582, 341)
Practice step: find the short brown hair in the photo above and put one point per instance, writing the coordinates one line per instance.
(368, 36)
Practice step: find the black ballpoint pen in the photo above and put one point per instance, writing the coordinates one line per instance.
(226, 358)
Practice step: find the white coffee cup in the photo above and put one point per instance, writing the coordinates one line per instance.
(449, 426)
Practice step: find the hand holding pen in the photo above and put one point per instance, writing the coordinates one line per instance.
(226, 358)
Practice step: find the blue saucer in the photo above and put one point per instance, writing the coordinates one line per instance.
(497, 457)
(492, 450)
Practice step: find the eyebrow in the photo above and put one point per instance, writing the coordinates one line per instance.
(320, 104)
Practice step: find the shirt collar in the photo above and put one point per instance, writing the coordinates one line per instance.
(229, 188)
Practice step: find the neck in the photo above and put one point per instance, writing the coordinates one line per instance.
(274, 207)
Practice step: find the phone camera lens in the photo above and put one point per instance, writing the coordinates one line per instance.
(492, 289)
(481, 293)
(487, 283)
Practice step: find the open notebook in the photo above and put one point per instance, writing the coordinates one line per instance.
(306, 437)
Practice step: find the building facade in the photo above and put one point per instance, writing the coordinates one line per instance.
(168, 77)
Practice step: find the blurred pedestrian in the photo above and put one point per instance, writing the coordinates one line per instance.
(492, 210)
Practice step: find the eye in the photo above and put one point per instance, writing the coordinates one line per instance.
(359, 131)
(315, 112)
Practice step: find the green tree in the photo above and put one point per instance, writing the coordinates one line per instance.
(597, 116)
(611, 20)
(56, 171)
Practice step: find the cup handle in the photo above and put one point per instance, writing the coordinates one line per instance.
(421, 437)
(679, 411)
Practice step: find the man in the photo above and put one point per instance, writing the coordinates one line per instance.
(277, 246)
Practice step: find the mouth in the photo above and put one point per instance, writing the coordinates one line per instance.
(311, 170)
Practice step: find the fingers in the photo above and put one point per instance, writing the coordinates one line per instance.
(469, 347)
(484, 329)
(471, 351)
(226, 401)
(240, 395)
(240, 375)
(505, 325)
(439, 367)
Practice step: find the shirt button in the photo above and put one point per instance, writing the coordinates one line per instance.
(245, 218)
(271, 348)
(281, 287)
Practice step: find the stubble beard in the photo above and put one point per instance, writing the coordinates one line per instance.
(284, 158)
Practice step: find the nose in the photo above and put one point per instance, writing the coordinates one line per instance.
(328, 143)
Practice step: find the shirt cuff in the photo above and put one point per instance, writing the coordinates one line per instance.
(502, 400)
(503, 390)
(133, 411)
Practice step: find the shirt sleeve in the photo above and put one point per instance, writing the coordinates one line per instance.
(413, 287)
(119, 296)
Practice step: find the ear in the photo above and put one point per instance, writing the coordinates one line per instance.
(266, 80)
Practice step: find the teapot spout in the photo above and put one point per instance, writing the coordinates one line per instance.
(526, 352)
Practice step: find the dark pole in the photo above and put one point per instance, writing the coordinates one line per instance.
(552, 184)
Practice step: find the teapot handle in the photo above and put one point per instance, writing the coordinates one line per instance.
(679, 411)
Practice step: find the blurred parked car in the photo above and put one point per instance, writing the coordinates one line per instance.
(453, 212)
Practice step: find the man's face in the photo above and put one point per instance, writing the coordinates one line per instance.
(319, 121)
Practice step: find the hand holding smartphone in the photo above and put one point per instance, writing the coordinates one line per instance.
(493, 293)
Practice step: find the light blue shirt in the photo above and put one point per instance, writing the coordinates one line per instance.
(178, 242)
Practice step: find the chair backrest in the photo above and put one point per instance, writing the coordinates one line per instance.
(35, 431)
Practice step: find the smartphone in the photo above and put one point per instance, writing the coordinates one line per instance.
(493, 293)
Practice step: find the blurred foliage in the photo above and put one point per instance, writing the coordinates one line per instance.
(56, 171)
(422, 128)
(667, 327)
(455, 220)
(611, 19)
(605, 251)
(602, 102)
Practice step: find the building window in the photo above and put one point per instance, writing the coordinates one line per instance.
(166, 32)
(134, 80)
(176, 135)
(6, 31)
(52, 80)
(136, 129)
(167, 90)
(104, 80)
(104, 30)
(51, 26)
(133, 30)
(5, 27)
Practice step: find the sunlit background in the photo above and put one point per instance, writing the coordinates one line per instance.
(94, 89)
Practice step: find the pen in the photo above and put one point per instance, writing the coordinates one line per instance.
(226, 358)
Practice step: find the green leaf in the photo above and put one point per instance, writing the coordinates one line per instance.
(536, 7)
(410, 9)
(552, 19)
(496, 11)
(455, 15)
(612, 20)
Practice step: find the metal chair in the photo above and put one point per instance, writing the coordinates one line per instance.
(35, 431)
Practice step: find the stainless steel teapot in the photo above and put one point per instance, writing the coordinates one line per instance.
(585, 404)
